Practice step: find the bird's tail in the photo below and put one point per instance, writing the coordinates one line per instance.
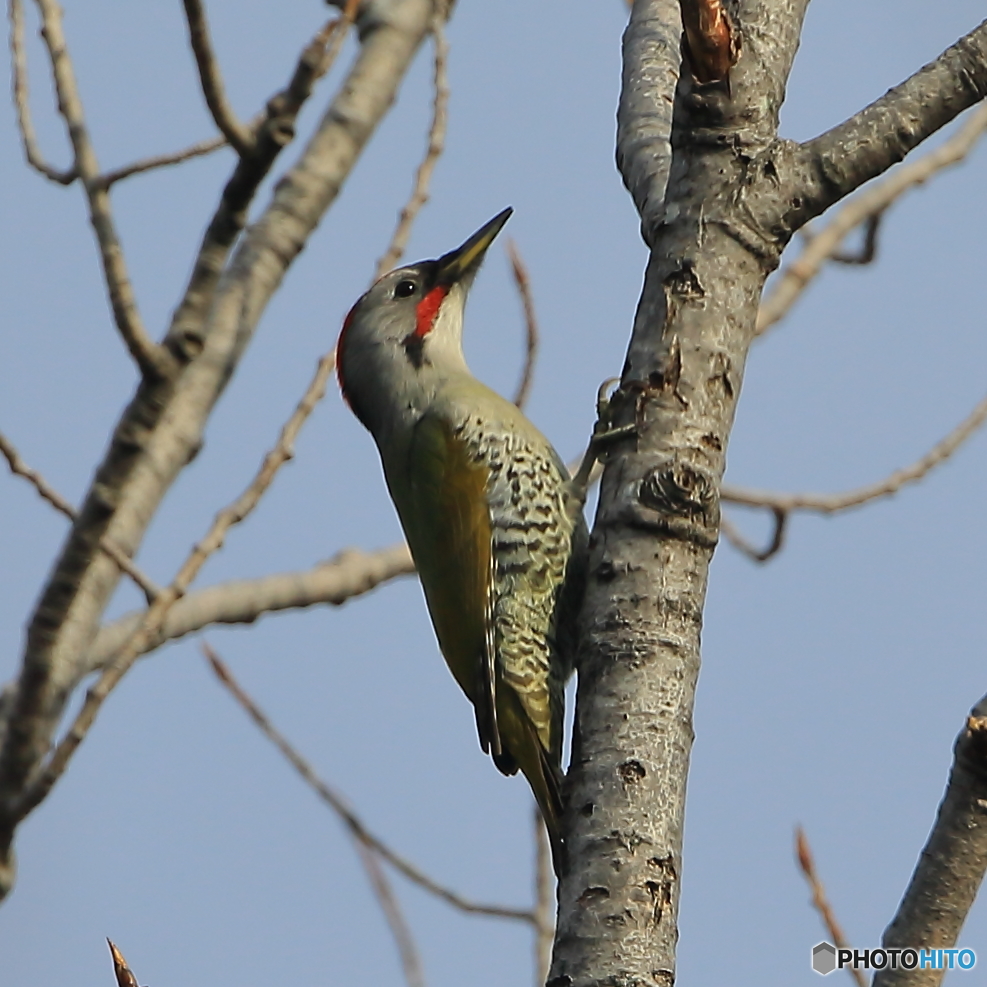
(522, 748)
(547, 789)
(545, 779)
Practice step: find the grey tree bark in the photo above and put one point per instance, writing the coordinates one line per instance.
(717, 217)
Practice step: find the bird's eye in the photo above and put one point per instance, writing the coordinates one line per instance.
(405, 288)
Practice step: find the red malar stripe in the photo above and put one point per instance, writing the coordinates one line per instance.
(428, 309)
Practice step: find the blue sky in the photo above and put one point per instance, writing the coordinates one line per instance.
(835, 678)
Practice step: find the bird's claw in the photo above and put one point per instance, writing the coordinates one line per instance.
(603, 435)
(603, 432)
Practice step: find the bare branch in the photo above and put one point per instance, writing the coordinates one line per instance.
(197, 150)
(349, 574)
(22, 102)
(651, 60)
(831, 503)
(334, 35)
(951, 866)
(122, 972)
(820, 902)
(544, 900)
(273, 132)
(353, 822)
(151, 359)
(880, 135)
(239, 136)
(19, 468)
(523, 283)
(39, 786)
(774, 546)
(411, 962)
(864, 207)
(712, 42)
(408, 952)
(162, 426)
(434, 148)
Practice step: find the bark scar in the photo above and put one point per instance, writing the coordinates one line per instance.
(660, 887)
(679, 488)
(712, 42)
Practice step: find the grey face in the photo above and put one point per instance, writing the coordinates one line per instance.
(392, 302)
(387, 339)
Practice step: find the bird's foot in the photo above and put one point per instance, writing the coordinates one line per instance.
(604, 435)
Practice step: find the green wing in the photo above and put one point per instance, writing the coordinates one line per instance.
(441, 494)
(447, 522)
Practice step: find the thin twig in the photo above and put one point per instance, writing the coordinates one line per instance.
(19, 468)
(411, 962)
(22, 102)
(122, 972)
(338, 804)
(544, 898)
(153, 360)
(197, 150)
(273, 130)
(408, 952)
(211, 80)
(831, 503)
(794, 277)
(523, 282)
(46, 776)
(819, 901)
(867, 251)
(732, 534)
(434, 148)
(334, 34)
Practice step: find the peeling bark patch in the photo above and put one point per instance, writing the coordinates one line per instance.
(712, 441)
(667, 379)
(720, 376)
(684, 284)
(711, 42)
(661, 898)
(974, 744)
(678, 489)
(593, 894)
(631, 772)
(664, 978)
(660, 888)
(661, 382)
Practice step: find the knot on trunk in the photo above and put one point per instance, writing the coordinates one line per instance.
(679, 489)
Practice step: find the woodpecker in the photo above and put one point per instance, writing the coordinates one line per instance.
(493, 522)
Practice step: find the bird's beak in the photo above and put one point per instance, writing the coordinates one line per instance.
(464, 261)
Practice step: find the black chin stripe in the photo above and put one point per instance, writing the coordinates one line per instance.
(414, 347)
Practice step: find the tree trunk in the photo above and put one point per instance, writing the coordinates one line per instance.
(735, 195)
